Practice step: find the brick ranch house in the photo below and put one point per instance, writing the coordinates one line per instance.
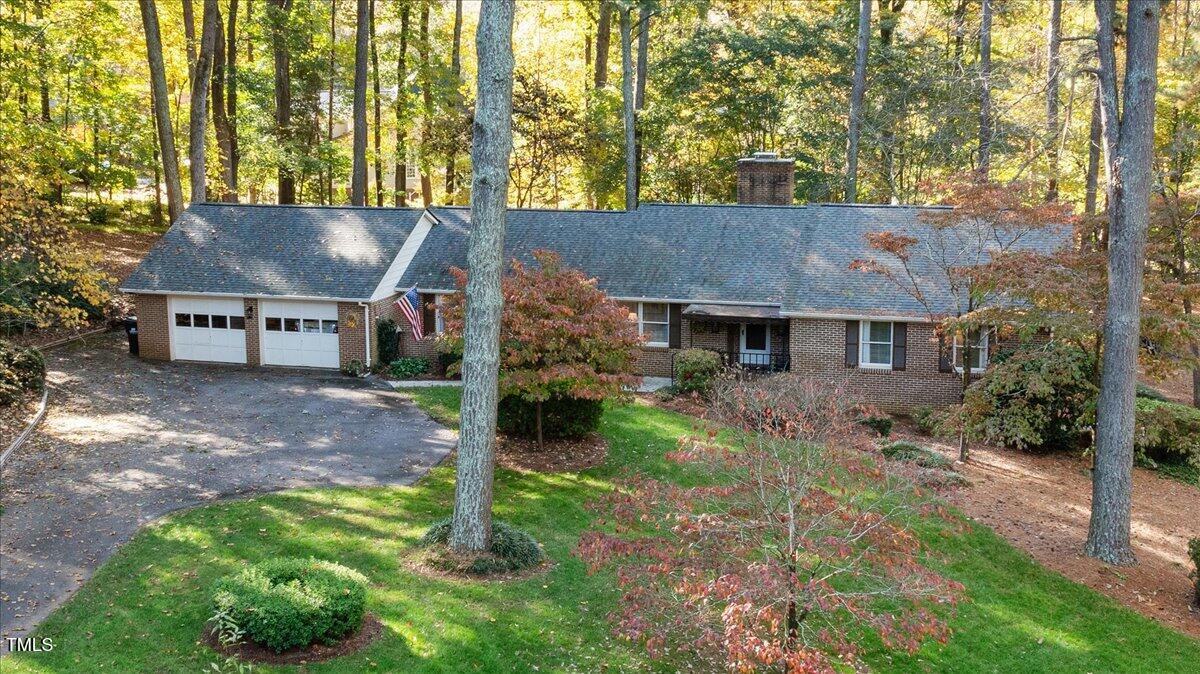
(765, 283)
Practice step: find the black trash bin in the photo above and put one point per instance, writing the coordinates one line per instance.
(131, 333)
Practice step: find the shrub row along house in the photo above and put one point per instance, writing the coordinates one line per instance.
(766, 284)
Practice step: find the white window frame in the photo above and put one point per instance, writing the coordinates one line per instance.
(865, 343)
(981, 348)
(642, 323)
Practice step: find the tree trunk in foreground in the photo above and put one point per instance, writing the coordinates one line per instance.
(1108, 533)
(631, 199)
(198, 123)
(857, 90)
(162, 112)
(471, 527)
(358, 173)
(985, 91)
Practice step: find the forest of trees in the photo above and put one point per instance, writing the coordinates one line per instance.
(925, 91)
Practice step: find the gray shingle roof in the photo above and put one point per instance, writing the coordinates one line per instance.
(797, 257)
(700, 253)
(299, 251)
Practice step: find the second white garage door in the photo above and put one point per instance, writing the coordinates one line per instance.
(301, 334)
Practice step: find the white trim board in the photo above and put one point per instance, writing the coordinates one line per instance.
(387, 285)
(196, 293)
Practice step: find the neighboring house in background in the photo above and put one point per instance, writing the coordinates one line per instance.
(764, 283)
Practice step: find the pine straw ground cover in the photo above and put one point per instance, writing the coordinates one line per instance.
(143, 610)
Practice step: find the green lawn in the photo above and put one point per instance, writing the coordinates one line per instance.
(144, 609)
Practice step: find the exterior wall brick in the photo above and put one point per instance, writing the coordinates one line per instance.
(818, 349)
(352, 333)
(253, 349)
(154, 336)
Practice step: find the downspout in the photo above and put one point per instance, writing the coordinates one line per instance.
(366, 334)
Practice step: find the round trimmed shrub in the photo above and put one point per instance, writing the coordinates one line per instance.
(511, 549)
(287, 602)
(562, 417)
(911, 452)
(409, 367)
(695, 370)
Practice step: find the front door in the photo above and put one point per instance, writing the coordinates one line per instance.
(755, 346)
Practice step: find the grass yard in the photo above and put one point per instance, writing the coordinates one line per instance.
(144, 609)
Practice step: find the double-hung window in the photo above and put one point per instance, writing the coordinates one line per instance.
(875, 344)
(979, 350)
(653, 321)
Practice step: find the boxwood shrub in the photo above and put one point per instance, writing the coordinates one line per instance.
(22, 370)
(695, 370)
(287, 602)
(562, 417)
(511, 549)
(407, 368)
(911, 452)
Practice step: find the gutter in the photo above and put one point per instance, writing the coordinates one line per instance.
(366, 334)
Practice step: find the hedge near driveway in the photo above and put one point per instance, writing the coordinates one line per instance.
(143, 610)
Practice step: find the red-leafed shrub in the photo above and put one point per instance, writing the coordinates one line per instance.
(561, 338)
(798, 549)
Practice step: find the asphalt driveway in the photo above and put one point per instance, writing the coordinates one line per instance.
(127, 441)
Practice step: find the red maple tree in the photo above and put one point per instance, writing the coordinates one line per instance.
(796, 549)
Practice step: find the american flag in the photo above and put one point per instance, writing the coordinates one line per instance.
(410, 306)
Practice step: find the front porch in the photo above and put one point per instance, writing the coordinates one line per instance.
(750, 338)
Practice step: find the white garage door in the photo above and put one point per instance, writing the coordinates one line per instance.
(208, 329)
(303, 334)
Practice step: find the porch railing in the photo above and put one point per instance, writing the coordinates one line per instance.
(745, 363)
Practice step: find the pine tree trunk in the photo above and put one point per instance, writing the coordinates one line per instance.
(491, 149)
(1093, 166)
(639, 99)
(189, 38)
(283, 96)
(162, 113)
(220, 118)
(1053, 68)
(457, 114)
(198, 124)
(857, 91)
(985, 91)
(427, 100)
(603, 40)
(1107, 78)
(231, 97)
(329, 103)
(378, 157)
(358, 173)
(401, 176)
(631, 197)
(1108, 533)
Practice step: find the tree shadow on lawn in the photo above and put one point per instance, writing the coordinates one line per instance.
(144, 610)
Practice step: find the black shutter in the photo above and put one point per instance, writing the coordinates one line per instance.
(428, 313)
(945, 356)
(851, 343)
(675, 316)
(899, 346)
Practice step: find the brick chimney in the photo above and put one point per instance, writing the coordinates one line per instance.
(765, 178)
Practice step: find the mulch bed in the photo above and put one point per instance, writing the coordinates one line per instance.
(13, 419)
(431, 564)
(558, 456)
(370, 631)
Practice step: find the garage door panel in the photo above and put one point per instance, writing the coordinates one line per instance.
(208, 329)
(300, 334)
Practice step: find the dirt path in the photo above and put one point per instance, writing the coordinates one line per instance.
(1042, 504)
